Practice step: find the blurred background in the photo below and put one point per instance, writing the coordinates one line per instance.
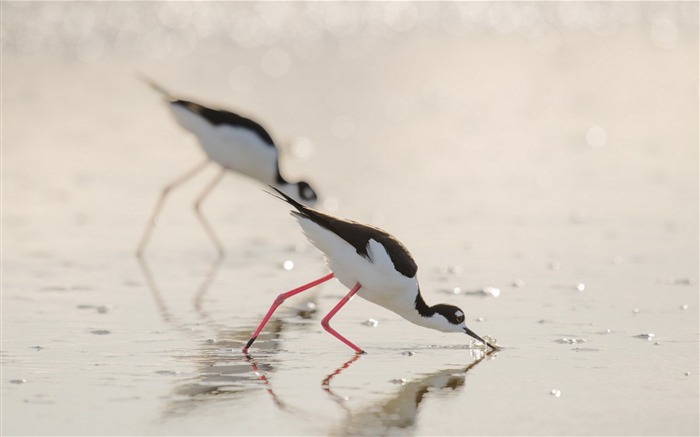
(546, 150)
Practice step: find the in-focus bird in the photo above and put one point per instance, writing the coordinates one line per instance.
(372, 264)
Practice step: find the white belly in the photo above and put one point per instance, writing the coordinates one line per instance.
(234, 148)
(381, 283)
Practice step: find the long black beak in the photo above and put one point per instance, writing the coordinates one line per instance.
(470, 332)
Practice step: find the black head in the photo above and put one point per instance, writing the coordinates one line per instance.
(306, 194)
(452, 320)
(453, 314)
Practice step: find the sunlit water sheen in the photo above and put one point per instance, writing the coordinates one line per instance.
(538, 159)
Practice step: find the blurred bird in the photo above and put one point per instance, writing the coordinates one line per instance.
(233, 142)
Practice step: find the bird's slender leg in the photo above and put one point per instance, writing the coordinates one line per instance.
(326, 320)
(278, 301)
(161, 201)
(202, 219)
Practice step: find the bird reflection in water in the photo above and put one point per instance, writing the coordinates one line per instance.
(398, 414)
(219, 374)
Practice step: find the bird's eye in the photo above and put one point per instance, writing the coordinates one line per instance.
(459, 316)
(306, 192)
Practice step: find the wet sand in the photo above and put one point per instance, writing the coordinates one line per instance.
(559, 172)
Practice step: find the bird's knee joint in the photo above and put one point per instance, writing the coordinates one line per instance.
(280, 299)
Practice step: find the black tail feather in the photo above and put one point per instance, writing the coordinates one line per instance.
(301, 208)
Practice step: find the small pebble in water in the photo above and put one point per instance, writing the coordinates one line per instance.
(479, 319)
(455, 269)
(686, 374)
(210, 341)
(18, 381)
(567, 340)
(555, 392)
(519, 283)
(408, 353)
(371, 322)
(401, 381)
(288, 265)
(684, 307)
(636, 311)
(100, 332)
(580, 286)
(682, 281)
(37, 348)
(491, 291)
(648, 336)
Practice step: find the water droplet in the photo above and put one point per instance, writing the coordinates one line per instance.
(682, 281)
(479, 319)
(568, 340)
(596, 136)
(555, 392)
(288, 265)
(18, 381)
(580, 286)
(684, 307)
(491, 291)
(636, 311)
(371, 322)
(455, 270)
(302, 147)
(330, 203)
(687, 373)
(400, 381)
(456, 290)
(648, 336)
(519, 283)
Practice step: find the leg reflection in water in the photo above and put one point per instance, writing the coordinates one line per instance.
(220, 377)
(399, 413)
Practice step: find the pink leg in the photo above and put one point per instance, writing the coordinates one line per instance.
(278, 301)
(326, 320)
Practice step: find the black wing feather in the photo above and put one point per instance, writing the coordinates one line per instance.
(358, 236)
(220, 116)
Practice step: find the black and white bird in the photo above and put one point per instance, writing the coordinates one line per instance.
(234, 143)
(372, 264)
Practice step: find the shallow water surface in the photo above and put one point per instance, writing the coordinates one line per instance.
(545, 181)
